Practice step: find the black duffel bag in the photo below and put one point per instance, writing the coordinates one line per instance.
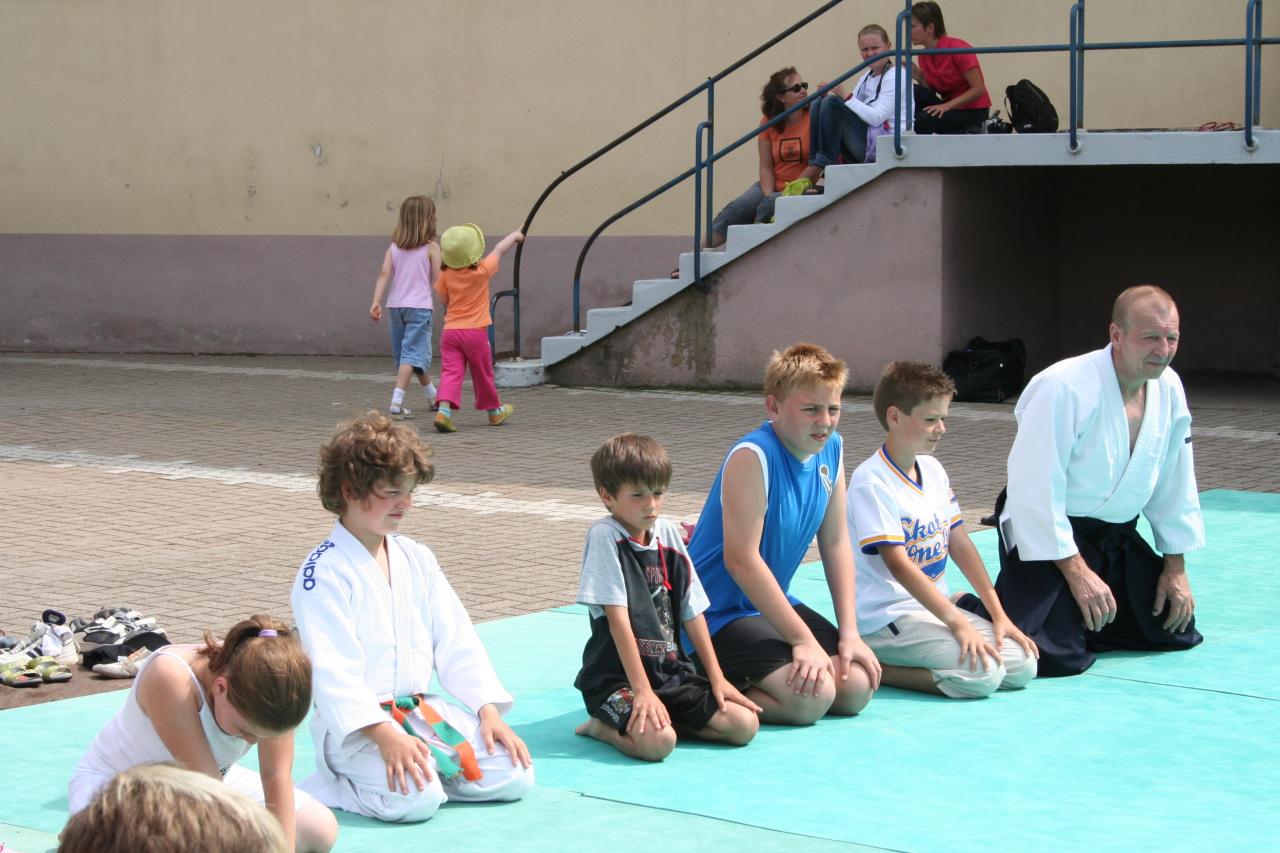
(987, 371)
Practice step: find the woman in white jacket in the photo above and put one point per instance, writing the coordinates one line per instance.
(846, 125)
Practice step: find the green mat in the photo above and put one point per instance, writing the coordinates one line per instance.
(1172, 751)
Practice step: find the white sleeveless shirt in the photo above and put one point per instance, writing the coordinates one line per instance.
(130, 739)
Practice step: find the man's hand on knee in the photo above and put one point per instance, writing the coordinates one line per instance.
(1097, 604)
(1173, 589)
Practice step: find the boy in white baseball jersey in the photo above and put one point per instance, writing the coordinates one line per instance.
(905, 524)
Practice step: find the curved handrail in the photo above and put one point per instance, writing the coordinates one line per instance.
(678, 102)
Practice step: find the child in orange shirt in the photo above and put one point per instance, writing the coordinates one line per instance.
(463, 291)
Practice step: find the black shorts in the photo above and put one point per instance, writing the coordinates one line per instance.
(689, 702)
(750, 649)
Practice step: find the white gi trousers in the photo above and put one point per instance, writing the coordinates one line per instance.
(358, 782)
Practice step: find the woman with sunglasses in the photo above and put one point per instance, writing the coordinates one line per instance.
(784, 153)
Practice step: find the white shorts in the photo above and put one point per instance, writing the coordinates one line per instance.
(919, 639)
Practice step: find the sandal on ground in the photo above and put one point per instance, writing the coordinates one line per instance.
(50, 670)
(15, 674)
(125, 667)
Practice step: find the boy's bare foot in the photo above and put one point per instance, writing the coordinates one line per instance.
(593, 728)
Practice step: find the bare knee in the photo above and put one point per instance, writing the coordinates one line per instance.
(317, 828)
(737, 725)
(806, 709)
(853, 694)
(654, 744)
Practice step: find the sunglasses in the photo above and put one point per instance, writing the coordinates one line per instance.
(797, 88)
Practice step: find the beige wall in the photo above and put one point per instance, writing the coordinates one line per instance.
(245, 117)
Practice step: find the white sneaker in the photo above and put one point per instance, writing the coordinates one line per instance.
(123, 667)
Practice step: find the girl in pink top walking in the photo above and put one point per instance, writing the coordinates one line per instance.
(409, 265)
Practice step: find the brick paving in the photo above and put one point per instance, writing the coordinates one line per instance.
(180, 485)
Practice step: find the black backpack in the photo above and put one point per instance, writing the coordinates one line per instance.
(987, 371)
(1029, 108)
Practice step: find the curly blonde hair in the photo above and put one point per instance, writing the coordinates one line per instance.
(367, 450)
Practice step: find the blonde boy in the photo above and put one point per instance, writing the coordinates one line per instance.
(907, 525)
(638, 684)
(781, 485)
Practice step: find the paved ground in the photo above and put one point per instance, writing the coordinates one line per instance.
(182, 485)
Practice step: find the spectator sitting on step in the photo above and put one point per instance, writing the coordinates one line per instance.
(954, 96)
(844, 126)
(784, 152)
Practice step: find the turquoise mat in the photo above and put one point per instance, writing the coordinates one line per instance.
(1173, 751)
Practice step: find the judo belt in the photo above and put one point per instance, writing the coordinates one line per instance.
(403, 706)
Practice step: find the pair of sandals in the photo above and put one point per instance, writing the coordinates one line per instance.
(34, 672)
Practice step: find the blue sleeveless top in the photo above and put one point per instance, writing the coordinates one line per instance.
(797, 494)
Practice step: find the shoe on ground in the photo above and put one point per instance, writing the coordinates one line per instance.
(126, 667)
(400, 413)
(504, 412)
(444, 422)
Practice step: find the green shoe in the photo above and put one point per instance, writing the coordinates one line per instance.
(797, 187)
(444, 422)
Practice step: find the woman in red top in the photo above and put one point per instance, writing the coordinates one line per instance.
(784, 154)
(954, 96)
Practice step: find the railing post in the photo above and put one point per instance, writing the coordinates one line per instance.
(1252, 69)
(711, 146)
(699, 162)
(909, 110)
(1080, 52)
(1073, 71)
(899, 69)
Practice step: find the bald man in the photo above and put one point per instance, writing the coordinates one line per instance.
(1103, 437)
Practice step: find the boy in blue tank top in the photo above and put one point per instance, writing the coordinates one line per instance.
(779, 487)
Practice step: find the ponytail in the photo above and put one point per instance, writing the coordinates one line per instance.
(268, 674)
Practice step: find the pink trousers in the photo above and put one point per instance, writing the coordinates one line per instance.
(459, 349)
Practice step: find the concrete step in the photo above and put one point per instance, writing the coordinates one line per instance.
(602, 321)
(744, 238)
(654, 291)
(559, 347)
(519, 373)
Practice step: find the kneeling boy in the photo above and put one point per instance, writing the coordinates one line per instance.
(906, 523)
(638, 684)
(378, 618)
(781, 486)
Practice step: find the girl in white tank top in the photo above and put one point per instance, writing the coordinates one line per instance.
(203, 707)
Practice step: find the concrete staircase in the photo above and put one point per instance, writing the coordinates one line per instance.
(649, 293)
(1157, 148)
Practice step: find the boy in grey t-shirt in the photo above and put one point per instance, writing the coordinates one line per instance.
(638, 684)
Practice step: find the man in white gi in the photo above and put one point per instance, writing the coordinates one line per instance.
(1103, 437)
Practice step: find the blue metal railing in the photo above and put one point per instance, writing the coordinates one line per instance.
(705, 157)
